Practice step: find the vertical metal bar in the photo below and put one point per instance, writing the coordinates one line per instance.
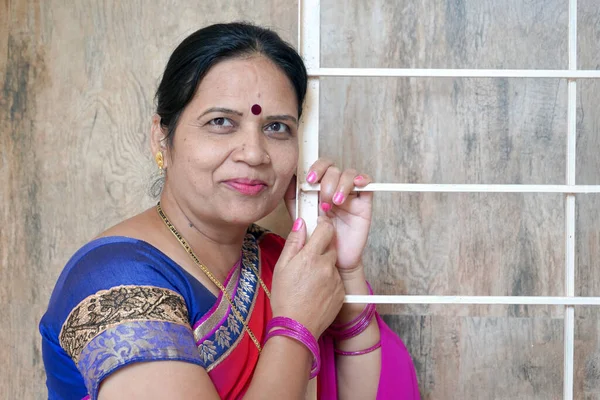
(309, 42)
(569, 321)
(309, 45)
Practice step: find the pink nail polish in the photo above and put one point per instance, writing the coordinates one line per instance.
(325, 207)
(359, 178)
(297, 225)
(338, 198)
(312, 177)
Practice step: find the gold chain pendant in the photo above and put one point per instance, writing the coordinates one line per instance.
(210, 275)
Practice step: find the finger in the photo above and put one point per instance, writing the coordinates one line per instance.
(322, 236)
(294, 242)
(345, 186)
(317, 170)
(362, 180)
(290, 198)
(329, 183)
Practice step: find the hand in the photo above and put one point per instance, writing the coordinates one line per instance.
(306, 284)
(350, 211)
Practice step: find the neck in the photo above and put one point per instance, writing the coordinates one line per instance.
(217, 245)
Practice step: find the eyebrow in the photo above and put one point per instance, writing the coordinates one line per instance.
(222, 110)
(284, 117)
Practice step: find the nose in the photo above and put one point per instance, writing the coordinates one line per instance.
(252, 148)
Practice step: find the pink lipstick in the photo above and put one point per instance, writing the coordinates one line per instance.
(248, 187)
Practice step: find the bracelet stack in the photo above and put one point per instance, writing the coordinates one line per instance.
(295, 330)
(355, 328)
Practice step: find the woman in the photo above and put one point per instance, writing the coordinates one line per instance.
(189, 299)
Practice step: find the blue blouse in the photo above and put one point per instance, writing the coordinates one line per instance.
(118, 300)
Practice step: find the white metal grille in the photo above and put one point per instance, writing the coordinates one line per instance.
(309, 47)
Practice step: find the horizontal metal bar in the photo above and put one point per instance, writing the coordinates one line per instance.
(456, 73)
(506, 300)
(466, 188)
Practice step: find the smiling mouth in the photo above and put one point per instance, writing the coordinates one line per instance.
(246, 187)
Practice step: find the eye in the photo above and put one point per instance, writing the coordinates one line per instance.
(224, 122)
(278, 127)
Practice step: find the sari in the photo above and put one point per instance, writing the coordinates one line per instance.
(120, 300)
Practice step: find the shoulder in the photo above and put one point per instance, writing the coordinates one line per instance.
(117, 260)
(139, 226)
(118, 293)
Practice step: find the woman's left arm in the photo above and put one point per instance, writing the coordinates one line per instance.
(357, 375)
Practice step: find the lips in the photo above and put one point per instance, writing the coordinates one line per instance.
(247, 187)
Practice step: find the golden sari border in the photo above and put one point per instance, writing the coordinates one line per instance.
(207, 325)
(226, 332)
(239, 338)
(106, 309)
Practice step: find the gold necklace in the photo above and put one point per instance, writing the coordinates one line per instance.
(210, 275)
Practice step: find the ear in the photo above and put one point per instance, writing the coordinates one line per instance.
(157, 139)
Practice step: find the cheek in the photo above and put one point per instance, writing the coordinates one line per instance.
(289, 161)
(203, 155)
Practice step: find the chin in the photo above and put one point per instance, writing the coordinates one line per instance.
(245, 215)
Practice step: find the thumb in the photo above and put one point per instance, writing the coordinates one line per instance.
(294, 242)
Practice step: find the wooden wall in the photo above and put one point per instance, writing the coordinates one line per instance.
(76, 98)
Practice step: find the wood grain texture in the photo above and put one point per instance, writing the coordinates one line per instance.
(587, 353)
(588, 35)
(22, 253)
(75, 108)
(445, 33)
(76, 98)
(587, 235)
(484, 357)
(424, 130)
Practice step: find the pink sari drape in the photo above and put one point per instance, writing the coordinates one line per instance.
(398, 380)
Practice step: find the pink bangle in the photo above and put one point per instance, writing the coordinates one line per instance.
(355, 320)
(356, 326)
(295, 330)
(359, 352)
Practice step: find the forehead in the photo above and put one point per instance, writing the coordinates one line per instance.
(253, 79)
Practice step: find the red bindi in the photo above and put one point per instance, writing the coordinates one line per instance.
(256, 109)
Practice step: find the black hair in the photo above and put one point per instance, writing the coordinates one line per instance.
(206, 47)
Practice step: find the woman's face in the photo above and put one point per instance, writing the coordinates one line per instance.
(229, 162)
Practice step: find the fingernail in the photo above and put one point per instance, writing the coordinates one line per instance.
(312, 177)
(297, 225)
(325, 207)
(359, 178)
(338, 198)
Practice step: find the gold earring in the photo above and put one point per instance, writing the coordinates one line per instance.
(159, 160)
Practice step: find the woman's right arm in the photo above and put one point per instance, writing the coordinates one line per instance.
(282, 372)
(306, 287)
